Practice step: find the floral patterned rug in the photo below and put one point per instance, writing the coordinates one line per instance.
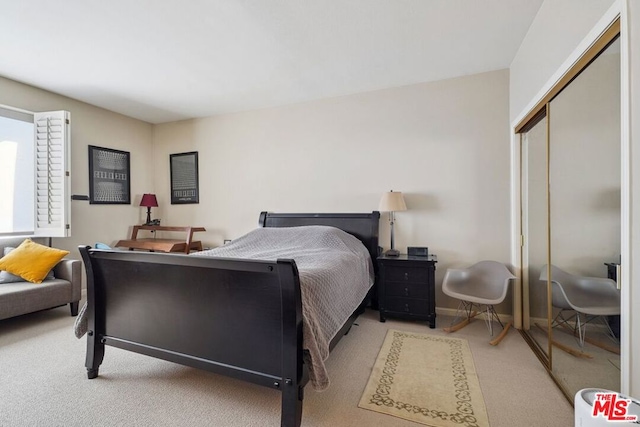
(427, 379)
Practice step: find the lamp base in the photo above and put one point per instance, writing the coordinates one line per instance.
(392, 253)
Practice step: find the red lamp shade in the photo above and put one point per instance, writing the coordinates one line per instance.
(149, 201)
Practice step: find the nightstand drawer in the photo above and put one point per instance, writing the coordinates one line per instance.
(406, 305)
(409, 290)
(406, 287)
(406, 274)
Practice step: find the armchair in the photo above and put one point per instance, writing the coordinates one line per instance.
(591, 297)
(483, 284)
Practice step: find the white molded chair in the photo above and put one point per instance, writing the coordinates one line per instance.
(591, 297)
(483, 284)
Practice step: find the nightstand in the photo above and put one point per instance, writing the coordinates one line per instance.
(407, 287)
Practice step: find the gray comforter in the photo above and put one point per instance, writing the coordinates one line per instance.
(336, 273)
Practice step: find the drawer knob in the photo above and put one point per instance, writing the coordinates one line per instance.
(406, 292)
(406, 308)
(406, 276)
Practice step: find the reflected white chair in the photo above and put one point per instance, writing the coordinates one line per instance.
(591, 297)
(484, 284)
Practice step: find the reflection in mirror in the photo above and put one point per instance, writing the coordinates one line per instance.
(584, 178)
(535, 230)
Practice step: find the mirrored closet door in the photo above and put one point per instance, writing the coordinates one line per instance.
(585, 215)
(535, 223)
(570, 187)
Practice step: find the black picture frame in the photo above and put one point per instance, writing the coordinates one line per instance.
(109, 176)
(184, 178)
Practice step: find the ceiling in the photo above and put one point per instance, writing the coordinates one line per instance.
(167, 60)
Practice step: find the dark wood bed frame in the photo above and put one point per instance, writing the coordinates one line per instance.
(236, 317)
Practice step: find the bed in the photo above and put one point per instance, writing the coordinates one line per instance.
(192, 309)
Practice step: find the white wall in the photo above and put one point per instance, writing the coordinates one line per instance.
(444, 144)
(557, 30)
(93, 126)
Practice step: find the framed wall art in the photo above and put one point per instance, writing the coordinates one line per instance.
(109, 176)
(184, 178)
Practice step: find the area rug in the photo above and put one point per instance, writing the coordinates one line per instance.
(427, 379)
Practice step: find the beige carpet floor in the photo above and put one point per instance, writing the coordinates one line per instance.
(43, 382)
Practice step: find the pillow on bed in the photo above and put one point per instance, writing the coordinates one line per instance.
(6, 277)
(31, 261)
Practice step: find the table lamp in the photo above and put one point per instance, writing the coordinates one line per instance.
(149, 201)
(392, 202)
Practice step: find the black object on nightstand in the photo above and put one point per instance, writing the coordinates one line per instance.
(407, 287)
(613, 321)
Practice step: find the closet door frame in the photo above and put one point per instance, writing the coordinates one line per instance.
(610, 27)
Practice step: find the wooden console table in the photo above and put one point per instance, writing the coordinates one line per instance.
(162, 245)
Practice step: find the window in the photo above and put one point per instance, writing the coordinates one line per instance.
(34, 173)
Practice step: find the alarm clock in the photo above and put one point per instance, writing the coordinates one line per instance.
(418, 251)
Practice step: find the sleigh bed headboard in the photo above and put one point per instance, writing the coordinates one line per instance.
(364, 226)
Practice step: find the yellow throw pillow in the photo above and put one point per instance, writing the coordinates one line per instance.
(31, 261)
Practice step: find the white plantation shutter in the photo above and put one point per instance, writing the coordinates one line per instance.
(52, 174)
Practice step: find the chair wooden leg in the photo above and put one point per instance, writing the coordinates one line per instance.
(604, 346)
(571, 351)
(503, 334)
(565, 348)
(461, 324)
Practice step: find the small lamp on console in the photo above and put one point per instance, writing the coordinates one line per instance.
(392, 202)
(149, 201)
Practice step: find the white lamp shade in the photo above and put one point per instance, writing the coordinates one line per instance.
(392, 202)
